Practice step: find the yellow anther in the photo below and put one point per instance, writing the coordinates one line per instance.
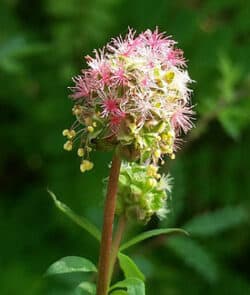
(94, 124)
(68, 145)
(172, 156)
(158, 105)
(170, 133)
(169, 76)
(71, 134)
(166, 149)
(80, 152)
(157, 154)
(65, 132)
(76, 110)
(159, 82)
(156, 72)
(86, 165)
(158, 176)
(165, 137)
(152, 170)
(90, 129)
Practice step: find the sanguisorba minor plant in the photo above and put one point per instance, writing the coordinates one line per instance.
(134, 100)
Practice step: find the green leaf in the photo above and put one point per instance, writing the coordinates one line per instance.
(71, 264)
(85, 287)
(194, 256)
(216, 222)
(134, 286)
(81, 221)
(149, 234)
(129, 268)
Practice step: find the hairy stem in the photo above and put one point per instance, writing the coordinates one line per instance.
(108, 220)
(116, 244)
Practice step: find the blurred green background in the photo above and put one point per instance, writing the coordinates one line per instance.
(42, 44)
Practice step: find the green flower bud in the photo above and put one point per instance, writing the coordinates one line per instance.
(142, 192)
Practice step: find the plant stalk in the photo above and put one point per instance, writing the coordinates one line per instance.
(116, 244)
(107, 230)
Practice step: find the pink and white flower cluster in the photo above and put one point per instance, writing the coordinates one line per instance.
(134, 95)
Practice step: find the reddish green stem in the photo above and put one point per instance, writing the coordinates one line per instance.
(116, 243)
(108, 220)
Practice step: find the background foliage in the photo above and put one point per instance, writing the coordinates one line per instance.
(42, 44)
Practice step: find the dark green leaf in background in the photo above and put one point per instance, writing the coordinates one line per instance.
(212, 223)
(194, 256)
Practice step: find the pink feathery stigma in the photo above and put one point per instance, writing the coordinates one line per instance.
(154, 39)
(119, 77)
(182, 119)
(127, 46)
(105, 74)
(145, 81)
(100, 67)
(178, 142)
(110, 107)
(131, 43)
(102, 74)
(175, 57)
(80, 89)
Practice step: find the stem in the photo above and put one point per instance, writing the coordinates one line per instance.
(116, 243)
(108, 220)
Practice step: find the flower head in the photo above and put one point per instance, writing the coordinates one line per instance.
(133, 96)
